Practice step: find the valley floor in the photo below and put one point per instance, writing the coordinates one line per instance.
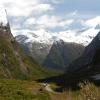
(31, 90)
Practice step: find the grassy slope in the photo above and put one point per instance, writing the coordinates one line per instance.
(15, 64)
(30, 90)
(21, 90)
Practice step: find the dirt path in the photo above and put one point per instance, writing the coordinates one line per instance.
(48, 88)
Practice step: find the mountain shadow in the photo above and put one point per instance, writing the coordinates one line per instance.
(62, 54)
(86, 67)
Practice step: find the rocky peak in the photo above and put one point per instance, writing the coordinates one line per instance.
(5, 30)
(97, 26)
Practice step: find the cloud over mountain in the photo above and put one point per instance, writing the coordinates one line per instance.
(51, 15)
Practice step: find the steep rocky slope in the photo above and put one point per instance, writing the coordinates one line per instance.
(88, 65)
(13, 61)
(62, 54)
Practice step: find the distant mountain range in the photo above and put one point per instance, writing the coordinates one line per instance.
(81, 36)
(65, 51)
(56, 50)
(54, 56)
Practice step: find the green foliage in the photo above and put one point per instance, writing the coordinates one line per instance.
(9, 65)
(30, 90)
(15, 64)
(20, 90)
(89, 92)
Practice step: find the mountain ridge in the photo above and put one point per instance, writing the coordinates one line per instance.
(52, 56)
(83, 37)
(87, 65)
(14, 63)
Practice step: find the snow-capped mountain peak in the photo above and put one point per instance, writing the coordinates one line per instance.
(83, 37)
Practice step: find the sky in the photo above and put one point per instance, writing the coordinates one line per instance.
(51, 15)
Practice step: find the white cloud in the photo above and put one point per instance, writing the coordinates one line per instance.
(46, 21)
(42, 7)
(66, 22)
(30, 21)
(50, 22)
(34, 14)
(74, 13)
(28, 10)
(25, 7)
(91, 22)
(54, 1)
(25, 10)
